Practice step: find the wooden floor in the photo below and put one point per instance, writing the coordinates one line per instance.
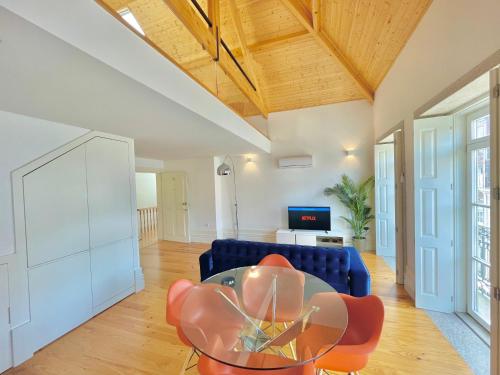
(133, 338)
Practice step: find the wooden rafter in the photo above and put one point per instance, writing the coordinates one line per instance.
(253, 48)
(205, 36)
(311, 23)
(214, 15)
(247, 57)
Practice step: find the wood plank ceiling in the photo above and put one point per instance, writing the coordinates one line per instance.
(295, 53)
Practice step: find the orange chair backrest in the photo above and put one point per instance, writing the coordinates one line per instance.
(176, 295)
(366, 318)
(207, 317)
(257, 296)
(275, 260)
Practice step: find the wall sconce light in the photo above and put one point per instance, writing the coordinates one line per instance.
(349, 152)
(249, 158)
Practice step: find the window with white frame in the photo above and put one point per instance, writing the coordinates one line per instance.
(129, 17)
(479, 191)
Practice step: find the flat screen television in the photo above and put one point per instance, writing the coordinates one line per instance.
(309, 218)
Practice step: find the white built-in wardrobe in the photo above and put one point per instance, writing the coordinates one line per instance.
(76, 239)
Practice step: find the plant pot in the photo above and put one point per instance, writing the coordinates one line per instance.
(359, 244)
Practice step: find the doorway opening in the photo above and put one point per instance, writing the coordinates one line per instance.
(453, 222)
(173, 208)
(147, 210)
(389, 201)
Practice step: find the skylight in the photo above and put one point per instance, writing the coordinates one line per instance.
(127, 15)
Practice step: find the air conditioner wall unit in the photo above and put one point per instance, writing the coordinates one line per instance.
(305, 161)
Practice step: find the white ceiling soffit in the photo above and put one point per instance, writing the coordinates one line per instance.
(85, 25)
(44, 77)
(471, 92)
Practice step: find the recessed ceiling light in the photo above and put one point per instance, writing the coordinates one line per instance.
(127, 15)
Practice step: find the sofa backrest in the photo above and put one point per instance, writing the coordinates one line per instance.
(329, 264)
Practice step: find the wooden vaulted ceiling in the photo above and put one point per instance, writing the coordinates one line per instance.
(295, 53)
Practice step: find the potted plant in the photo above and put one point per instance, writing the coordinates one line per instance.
(355, 198)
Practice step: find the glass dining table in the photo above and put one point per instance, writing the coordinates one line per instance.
(263, 318)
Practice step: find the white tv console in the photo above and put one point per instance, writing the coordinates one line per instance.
(312, 238)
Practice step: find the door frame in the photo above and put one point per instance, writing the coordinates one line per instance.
(495, 217)
(471, 146)
(161, 203)
(400, 199)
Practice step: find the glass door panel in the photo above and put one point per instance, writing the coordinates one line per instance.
(479, 217)
(481, 292)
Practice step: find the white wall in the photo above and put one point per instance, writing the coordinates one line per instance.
(23, 139)
(452, 38)
(145, 189)
(148, 165)
(201, 196)
(265, 192)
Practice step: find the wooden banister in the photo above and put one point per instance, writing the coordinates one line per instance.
(148, 219)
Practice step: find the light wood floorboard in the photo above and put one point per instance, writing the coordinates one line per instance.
(133, 338)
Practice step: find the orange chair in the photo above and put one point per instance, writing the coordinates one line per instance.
(257, 286)
(208, 318)
(275, 260)
(207, 366)
(366, 317)
(176, 296)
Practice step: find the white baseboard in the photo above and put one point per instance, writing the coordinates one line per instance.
(203, 236)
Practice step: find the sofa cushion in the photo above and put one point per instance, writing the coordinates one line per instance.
(329, 264)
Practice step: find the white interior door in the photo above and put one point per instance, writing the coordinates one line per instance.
(173, 207)
(434, 260)
(5, 343)
(385, 216)
(110, 219)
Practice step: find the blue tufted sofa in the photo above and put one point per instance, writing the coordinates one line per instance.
(342, 268)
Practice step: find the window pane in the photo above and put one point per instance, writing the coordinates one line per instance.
(481, 233)
(481, 285)
(481, 176)
(480, 127)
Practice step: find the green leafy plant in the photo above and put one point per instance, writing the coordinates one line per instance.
(355, 198)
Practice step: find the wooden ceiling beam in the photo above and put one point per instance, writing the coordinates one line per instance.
(253, 48)
(189, 16)
(247, 57)
(306, 19)
(214, 15)
(278, 41)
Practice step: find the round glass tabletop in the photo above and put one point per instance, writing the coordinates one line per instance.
(263, 317)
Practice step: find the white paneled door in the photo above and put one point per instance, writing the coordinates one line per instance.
(5, 343)
(173, 214)
(56, 208)
(108, 179)
(434, 260)
(385, 215)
